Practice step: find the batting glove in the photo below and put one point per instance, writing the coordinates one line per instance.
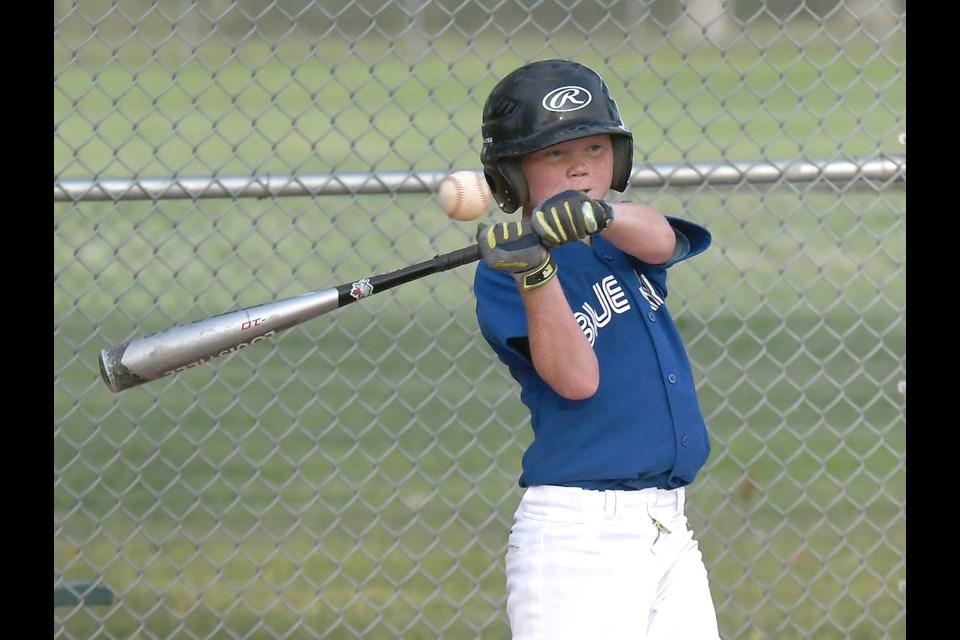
(514, 247)
(570, 215)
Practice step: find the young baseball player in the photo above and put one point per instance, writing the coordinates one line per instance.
(570, 297)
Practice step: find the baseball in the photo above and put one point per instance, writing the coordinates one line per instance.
(464, 195)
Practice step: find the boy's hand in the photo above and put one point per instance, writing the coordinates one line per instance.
(570, 215)
(514, 247)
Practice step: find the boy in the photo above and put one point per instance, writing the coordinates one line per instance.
(571, 299)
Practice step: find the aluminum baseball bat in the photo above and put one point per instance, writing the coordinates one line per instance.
(186, 346)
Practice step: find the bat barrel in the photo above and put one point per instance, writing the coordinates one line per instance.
(186, 346)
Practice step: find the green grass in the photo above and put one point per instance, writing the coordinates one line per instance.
(356, 476)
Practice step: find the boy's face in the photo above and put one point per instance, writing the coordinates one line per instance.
(584, 164)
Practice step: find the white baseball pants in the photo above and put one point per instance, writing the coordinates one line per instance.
(606, 565)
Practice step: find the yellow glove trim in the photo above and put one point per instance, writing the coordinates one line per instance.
(589, 217)
(546, 226)
(539, 276)
(492, 236)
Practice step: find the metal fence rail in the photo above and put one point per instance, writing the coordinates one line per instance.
(883, 170)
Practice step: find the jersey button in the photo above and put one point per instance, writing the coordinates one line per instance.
(672, 378)
(685, 441)
(651, 317)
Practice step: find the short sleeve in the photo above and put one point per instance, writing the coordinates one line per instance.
(692, 239)
(501, 315)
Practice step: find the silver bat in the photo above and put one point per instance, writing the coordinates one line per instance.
(186, 346)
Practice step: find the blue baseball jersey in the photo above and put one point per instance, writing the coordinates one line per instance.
(644, 426)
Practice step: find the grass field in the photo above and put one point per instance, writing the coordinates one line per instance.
(356, 477)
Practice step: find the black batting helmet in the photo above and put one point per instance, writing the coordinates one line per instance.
(541, 104)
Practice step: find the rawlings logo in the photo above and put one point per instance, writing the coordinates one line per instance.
(568, 98)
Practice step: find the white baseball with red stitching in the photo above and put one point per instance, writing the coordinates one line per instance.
(464, 195)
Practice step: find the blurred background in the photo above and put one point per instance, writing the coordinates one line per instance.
(356, 476)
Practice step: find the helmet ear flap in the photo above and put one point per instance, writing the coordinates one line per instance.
(622, 162)
(508, 184)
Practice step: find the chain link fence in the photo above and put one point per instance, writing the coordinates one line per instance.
(356, 476)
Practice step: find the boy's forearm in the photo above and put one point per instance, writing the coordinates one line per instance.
(561, 353)
(641, 231)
